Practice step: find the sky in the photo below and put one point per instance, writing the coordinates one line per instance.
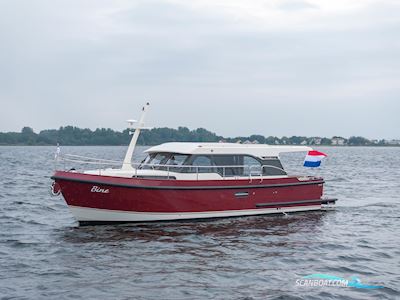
(235, 67)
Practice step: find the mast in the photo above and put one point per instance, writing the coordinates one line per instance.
(127, 164)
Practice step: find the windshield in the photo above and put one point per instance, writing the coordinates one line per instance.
(153, 159)
(147, 159)
(160, 158)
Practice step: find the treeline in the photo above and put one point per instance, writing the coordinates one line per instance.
(74, 136)
(70, 135)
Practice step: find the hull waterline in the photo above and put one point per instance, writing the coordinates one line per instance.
(88, 216)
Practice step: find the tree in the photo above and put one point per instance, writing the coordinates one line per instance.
(27, 130)
(358, 141)
(28, 136)
(258, 138)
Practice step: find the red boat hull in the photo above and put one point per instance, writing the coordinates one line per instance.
(95, 198)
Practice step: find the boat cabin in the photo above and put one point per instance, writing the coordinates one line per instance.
(223, 164)
(222, 159)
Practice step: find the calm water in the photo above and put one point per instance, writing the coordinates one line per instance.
(44, 254)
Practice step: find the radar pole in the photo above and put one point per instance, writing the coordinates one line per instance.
(127, 164)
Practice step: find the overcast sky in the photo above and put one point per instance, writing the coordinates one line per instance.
(277, 67)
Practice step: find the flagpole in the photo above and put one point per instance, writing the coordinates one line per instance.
(56, 155)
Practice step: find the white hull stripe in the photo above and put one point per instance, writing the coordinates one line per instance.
(105, 215)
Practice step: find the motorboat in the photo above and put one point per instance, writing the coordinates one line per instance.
(187, 180)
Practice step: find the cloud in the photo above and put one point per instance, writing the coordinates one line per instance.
(94, 63)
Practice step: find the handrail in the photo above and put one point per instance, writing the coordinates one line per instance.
(253, 170)
(91, 162)
(91, 158)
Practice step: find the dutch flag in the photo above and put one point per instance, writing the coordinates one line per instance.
(313, 159)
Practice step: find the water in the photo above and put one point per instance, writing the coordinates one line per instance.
(44, 254)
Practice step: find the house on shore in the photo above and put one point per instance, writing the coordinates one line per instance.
(393, 142)
(316, 141)
(338, 141)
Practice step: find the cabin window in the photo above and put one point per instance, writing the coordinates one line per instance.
(246, 165)
(227, 160)
(224, 160)
(273, 166)
(251, 166)
(202, 162)
(177, 159)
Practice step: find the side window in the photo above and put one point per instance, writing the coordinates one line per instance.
(251, 166)
(176, 159)
(202, 162)
(273, 166)
(226, 163)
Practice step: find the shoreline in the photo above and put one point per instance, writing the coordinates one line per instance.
(75, 136)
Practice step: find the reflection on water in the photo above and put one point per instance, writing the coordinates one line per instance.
(44, 254)
(261, 226)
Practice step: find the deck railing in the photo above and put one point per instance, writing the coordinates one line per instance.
(226, 172)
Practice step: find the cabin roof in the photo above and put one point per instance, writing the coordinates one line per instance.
(225, 148)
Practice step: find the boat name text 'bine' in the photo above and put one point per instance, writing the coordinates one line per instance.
(96, 189)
